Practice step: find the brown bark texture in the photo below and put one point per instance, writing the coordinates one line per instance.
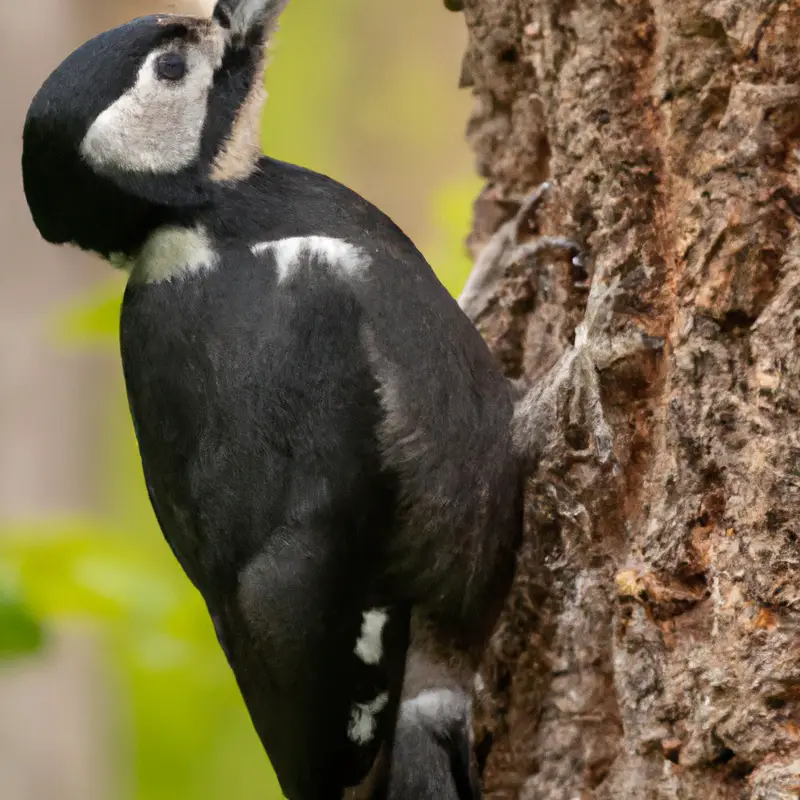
(650, 647)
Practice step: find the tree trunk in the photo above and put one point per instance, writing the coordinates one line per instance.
(650, 647)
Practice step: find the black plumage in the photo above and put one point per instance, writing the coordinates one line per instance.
(323, 432)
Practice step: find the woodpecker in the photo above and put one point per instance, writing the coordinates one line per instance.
(327, 442)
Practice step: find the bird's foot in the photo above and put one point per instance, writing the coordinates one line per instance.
(432, 757)
(568, 397)
(506, 248)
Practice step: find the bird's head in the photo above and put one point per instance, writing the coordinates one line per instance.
(144, 121)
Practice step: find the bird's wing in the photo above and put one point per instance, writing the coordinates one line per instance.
(319, 665)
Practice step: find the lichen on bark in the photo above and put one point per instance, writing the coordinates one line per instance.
(650, 647)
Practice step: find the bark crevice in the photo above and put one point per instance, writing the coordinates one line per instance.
(650, 648)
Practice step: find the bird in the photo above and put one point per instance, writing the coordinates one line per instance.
(328, 443)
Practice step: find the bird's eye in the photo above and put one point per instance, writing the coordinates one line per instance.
(171, 66)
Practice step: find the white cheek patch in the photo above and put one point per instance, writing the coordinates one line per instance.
(173, 252)
(157, 125)
(345, 258)
(369, 647)
(241, 150)
(361, 727)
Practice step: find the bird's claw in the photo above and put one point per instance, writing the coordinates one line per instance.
(575, 380)
(506, 248)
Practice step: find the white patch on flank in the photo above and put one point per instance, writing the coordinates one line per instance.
(362, 719)
(172, 251)
(369, 647)
(339, 254)
(444, 705)
(157, 125)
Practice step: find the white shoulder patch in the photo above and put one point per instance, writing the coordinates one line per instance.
(172, 252)
(342, 256)
(157, 125)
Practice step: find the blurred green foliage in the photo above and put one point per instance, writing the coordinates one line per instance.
(191, 737)
(20, 629)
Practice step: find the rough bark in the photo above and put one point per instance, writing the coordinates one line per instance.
(650, 647)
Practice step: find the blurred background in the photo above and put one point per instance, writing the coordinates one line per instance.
(112, 686)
